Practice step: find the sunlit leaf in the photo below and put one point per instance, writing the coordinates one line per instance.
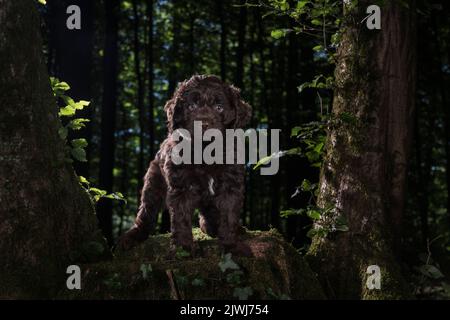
(67, 111)
(79, 143)
(79, 154)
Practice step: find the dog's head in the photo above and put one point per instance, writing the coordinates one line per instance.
(208, 99)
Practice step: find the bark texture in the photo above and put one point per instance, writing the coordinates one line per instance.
(47, 220)
(364, 173)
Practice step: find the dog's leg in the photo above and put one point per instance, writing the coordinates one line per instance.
(152, 196)
(209, 220)
(229, 203)
(181, 204)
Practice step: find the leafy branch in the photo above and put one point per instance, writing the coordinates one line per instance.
(76, 148)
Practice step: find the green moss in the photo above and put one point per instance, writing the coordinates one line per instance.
(147, 272)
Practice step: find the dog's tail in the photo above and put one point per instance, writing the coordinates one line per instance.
(152, 196)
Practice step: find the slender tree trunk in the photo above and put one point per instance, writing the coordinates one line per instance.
(140, 97)
(125, 165)
(242, 26)
(223, 40)
(192, 43)
(443, 92)
(173, 72)
(375, 83)
(276, 121)
(423, 167)
(108, 117)
(173, 77)
(262, 58)
(293, 119)
(46, 219)
(151, 100)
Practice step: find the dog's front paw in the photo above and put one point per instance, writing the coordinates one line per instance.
(130, 239)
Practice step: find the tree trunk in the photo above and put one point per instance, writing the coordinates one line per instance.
(223, 40)
(363, 176)
(140, 97)
(151, 100)
(46, 219)
(239, 81)
(292, 109)
(108, 116)
(174, 54)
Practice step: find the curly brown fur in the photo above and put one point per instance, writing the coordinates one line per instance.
(186, 187)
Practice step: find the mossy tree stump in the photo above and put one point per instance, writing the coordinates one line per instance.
(276, 271)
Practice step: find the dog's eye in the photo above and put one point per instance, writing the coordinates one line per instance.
(219, 107)
(193, 106)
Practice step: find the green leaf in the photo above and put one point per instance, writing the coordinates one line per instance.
(278, 33)
(67, 111)
(63, 86)
(79, 143)
(116, 196)
(301, 4)
(431, 271)
(290, 212)
(284, 5)
(77, 124)
(98, 191)
(303, 86)
(83, 180)
(292, 151)
(79, 154)
(318, 48)
(318, 148)
(81, 104)
(262, 162)
(62, 132)
(316, 22)
(242, 293)
(313, 214)
(44, 2)
(68, 101)
(306, 185)
(287, 213)
(227, 263)
(295, 131)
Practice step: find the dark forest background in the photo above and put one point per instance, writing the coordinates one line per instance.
(129, 56)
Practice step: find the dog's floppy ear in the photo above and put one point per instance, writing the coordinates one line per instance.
(174, 114)
(243, 109)
(174, 110)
